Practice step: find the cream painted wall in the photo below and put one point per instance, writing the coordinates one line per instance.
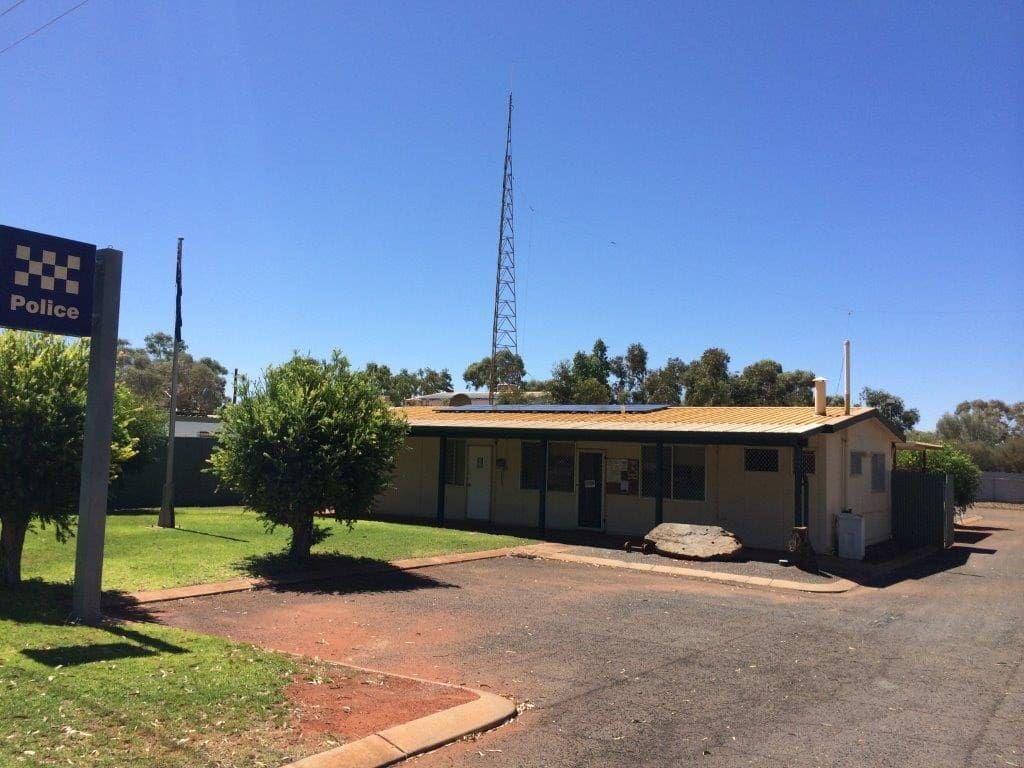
(757, 506)
(871, 437)
(413, 491)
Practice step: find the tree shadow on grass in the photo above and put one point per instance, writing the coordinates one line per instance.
(48, 603)
(336, 574)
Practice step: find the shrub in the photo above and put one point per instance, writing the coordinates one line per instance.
(42, 424)
(950, 461)
(311, 436)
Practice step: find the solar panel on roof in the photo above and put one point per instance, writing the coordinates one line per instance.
(634, 408)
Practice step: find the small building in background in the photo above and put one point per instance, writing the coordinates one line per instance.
(479, 397)
(196, 426)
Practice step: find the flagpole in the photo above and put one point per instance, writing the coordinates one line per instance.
(166, 519)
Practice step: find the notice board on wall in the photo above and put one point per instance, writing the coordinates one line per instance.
(622, 477)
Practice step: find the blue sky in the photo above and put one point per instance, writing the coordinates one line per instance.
(766, 177)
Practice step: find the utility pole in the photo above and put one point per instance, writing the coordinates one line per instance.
(503, 332)
(166, 519)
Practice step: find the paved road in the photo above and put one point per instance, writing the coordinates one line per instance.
(624, 668)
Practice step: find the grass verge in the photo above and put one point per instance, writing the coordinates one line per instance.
(133, 693)
(219, 543)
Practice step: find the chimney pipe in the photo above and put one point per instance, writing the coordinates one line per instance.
(819, 396)
(846, 369)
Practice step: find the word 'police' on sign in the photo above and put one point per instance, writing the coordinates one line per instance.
(46, 282)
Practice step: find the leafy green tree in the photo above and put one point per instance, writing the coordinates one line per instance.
(707, 380)
(630, 372)
(983, 421)
(585, 380)
(950, 461)
(42, 423)
(891, 407)
(146, 371)
(312, 436)
(510, 371)
(664, 385)
(399, 387)
(766, 383)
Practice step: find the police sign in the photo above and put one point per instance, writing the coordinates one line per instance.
(46, 282)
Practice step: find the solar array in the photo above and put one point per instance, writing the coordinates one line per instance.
(527, 408)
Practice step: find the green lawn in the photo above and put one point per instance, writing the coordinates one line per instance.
(214, 544)
(135, 693)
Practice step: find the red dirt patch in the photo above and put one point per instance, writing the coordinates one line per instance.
(345, 704)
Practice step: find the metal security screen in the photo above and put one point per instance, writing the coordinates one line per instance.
(761, 460)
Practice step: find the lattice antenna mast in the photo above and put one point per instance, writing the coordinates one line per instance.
(503, 335)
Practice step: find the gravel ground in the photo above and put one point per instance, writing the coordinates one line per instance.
(625, 668)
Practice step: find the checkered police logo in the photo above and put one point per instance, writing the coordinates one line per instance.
(46, 282)
(45, 271)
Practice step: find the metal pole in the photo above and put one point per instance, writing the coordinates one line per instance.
(99, 420)
(442, 466)
(166, 519)
(846, 370)
(234, 388)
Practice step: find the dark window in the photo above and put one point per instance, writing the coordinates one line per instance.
(531, 467)
(856, 463)
(649, 471)
(561, 466)
(455, 463)
(809, 462)
(688, 468)
(761, 460)
(878, 473)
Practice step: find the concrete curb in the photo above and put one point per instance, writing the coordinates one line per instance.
(244, 585)
(416, 736)
(543, 552)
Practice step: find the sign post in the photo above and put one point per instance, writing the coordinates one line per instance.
(99, 424)
(55, 285)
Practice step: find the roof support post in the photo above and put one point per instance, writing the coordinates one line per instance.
(799, 484)
(542, 503)
(442, 471)
(659, 492)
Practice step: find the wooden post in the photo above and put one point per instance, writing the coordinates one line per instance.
(659, 491)
(442, 467)
(542, 503)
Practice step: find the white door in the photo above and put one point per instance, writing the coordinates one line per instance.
(478, 481)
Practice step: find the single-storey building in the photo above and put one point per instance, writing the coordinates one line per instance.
(757, 471)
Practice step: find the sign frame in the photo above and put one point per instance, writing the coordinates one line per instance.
(46, 282)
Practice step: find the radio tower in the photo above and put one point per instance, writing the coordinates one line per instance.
(503, 335)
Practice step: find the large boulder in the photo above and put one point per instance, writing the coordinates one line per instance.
(694, 542)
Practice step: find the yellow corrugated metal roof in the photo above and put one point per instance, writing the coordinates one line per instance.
(779, 420)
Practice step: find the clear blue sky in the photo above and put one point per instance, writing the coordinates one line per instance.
(765, 177)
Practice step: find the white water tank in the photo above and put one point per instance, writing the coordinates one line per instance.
(851, 536)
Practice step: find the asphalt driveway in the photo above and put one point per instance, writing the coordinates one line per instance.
(624, 668)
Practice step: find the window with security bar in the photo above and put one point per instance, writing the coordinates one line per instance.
(649, 471)
(561, 466)
(809, 462)
(531, 467)
(689, 465)
(856, 463)
(455, 463)
(878, 473)
(761, 459)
